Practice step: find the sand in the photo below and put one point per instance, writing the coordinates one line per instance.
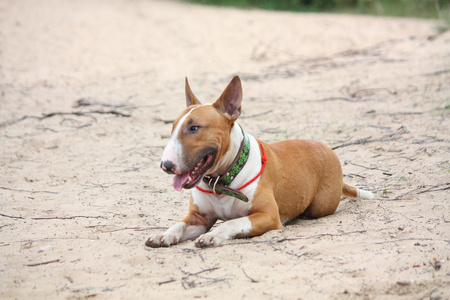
(88, 90)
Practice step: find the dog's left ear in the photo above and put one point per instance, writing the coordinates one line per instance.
(190, 97)
(230, 100)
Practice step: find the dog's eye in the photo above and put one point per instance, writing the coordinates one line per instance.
(194, 128)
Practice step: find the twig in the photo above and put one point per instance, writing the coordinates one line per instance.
(357, 142)
(257, 115)
(251, 279)
(357, 175)
(406, 113)
(164, 121)
(354, 94)
(319, 236)
(199, 272)
(12, 217)
(167, 281)
(367, 141)
(82, 102)
(27, 191)
(368, 168)
(192, 284)
(291, 239)
(195, 251)
(53, 218)
(128, 228)
(345, 99)
(49, 115)
(68, 218)
(94, 288)
(43, 263)
(434, 188)
(411, 239)
(113, 112)
(437, 73)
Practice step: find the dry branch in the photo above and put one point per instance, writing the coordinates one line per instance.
(251, 279)
(439, 187)
(410, 239)
(369, 168)
(270, 242)
(164, 121)
(437, 72)
(78, 114)
(12, 217)
(186, 283)
(357, 142)
(126, 228)
(199, 272)
(43, 263)
(257, 115)
(53, 218)
(68, 218)
(319, 236)
(348, 99)
(27, 191)
(385, 138)
(167, 281)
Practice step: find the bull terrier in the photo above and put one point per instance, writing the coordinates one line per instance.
(252, 186)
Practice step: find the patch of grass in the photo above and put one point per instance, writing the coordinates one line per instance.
(287, 5)
(401, 8)
(444, 20)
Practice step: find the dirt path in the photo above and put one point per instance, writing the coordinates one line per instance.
(88, 88)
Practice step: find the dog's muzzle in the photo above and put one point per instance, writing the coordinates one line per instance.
(168, 166)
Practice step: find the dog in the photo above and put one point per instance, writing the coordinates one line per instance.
(252, 186)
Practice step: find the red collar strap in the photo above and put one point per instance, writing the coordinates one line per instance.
(263, 165)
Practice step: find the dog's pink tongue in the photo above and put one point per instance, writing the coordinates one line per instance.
(179, 180)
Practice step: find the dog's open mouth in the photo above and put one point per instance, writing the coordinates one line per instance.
(191, 178)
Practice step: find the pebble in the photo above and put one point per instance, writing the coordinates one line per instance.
(45, 248)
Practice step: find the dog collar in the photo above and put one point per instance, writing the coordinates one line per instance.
(219, 185)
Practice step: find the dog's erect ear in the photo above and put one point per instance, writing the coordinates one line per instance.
(190, 97)
(230, 100)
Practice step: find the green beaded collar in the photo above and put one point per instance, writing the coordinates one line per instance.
(219, 185)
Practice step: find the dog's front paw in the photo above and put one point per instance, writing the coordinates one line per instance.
(161, 240)
(208, 240)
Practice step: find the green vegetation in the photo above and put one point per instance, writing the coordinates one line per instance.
(402, 8)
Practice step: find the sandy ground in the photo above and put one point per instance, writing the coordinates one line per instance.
(88, 90)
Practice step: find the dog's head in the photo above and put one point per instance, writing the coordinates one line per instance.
(201, 135)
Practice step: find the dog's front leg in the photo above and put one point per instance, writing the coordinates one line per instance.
(179, 232)
(192, 226)
(254, 224)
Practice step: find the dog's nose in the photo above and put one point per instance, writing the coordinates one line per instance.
(167, 166)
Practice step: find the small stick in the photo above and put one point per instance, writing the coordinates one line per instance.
(27, 191)
(199, 272)
(167, 281)
(251, 279)
(43, 263)
(257, 115)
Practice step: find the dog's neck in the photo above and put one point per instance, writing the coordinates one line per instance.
(236, 137)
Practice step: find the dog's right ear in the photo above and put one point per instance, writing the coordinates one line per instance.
(190, 97)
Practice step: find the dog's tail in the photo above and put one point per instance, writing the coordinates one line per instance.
(350, 191)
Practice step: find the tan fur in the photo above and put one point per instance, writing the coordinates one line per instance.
(204, 116)
(300, 176)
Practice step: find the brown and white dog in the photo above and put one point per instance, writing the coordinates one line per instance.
(269, 185)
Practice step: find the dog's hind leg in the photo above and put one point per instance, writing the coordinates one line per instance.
(325, 202)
